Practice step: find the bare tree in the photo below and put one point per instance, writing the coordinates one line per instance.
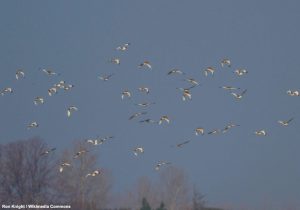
(75, 187)
(26, 176)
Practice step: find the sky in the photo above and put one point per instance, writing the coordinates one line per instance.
(78, 38)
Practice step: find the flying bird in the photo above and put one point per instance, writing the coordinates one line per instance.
(216, 131)
(32, 125)
(115, 61)
(229, 126)
(20, 74)
(164, 118)
(94, 173)
(145, 104)
(239, 96)
(192, 81)
(183, 143)
(95, 141)
(145, 64)
(50, 72)
(6, 90)
(175, 71)
(229, 88)
(208, 70)
(123, 47)
(79, 153)
(71, 109)
(63, 165)
(144, 89)
(285, 122)
(293, 92)
(46, 152)
(138, 150)
(137, 115)
(261, 133)
(226, 62)
(52, 91)
(125, 93)
(199, 131)
(148, 121)
(160, 164)
(38, 100)
(105, 77)
(241, 72)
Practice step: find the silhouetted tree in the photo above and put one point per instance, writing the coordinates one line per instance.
(26, 175)
(161, 207)
(145, 205)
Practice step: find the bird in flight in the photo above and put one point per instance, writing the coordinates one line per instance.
(229, 126)
(105, 77)
(229, 88)
(145, 64)
(49, 72)
(6, 90)
(94, 173)
(216, 131)
(95, 141)
(199, 131)
(208, 70)
(183, 143)
(160, 164)
(52, 91)
(32, 125)
(38, 100)
(293, 92)
(138, 150)
(164, 118)
(137, 115)
(285, 122)
(115, 61)
(148, 121)
(20, 74)
(123, 47)
(239, 96)
(71, 109)
(46, 152)
(186, 94)
(79, 153)
(175, 71)
(226, 62)
(63, 165)
(144, 89)
(192, 81)
(125, 93)
(145, 104)
(241, 72)
(261, 133)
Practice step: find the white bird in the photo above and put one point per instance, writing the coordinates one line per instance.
(293, 92)
(32, 125)
(209, 70)
(95, 141)
(161, 163)
(137, 115)
(216, 131)
(125, 93)
(138, 150)
(79, 153)
(60, 85)
(241, 72)
(63, 165)
(144, 89)
(123, 47)
(199, 131)
(145, 104)
(68, 87)
(285, 122)
(225, 62)
(20, 74)
(71, 109)
(192, 81)
(46, 152)
(186, 94)
(94, 173)
(175, 71)
(239, 96)
(49, 72)
(105, 77)
(52, 91)
(229, 88)
(115, 61)
(261, 133)
(164, 118)
(6, 90)
(148, 121)
(38, 100)
(145, 64)
(229, 126)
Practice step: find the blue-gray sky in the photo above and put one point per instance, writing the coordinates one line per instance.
(77, 38)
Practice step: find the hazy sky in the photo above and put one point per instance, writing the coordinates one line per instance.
(77, 38)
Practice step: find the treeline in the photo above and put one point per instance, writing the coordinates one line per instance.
(33, 173)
